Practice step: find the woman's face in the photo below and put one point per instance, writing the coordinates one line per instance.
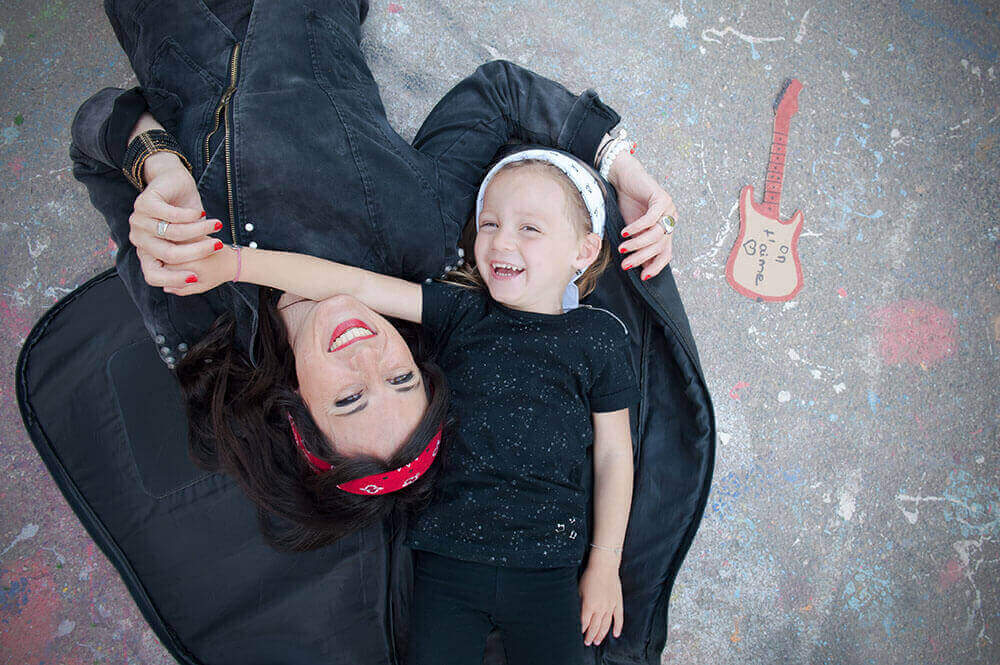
(356, 375)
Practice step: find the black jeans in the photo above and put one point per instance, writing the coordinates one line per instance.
(456, 604)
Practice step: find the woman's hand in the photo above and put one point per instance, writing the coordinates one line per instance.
(209, 272)
(171, 195)
(601, 596)
(643, 203)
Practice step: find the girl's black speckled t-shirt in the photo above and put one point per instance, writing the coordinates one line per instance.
(523, 387)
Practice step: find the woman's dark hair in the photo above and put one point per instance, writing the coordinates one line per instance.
(238, 425)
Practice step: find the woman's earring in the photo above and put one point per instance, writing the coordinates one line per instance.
(578, 272)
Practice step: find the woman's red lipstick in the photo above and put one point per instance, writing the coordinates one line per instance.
(344, 327)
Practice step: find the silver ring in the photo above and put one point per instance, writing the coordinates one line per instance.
(668, 224)
(161, 228)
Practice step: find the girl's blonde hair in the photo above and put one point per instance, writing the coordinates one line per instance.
(467, 274)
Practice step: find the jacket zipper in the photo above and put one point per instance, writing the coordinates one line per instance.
(221, 116)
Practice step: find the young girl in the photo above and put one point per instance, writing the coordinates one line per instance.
(535, 379)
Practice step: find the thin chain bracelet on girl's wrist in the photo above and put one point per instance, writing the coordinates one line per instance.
(616, 550)
(239, 264)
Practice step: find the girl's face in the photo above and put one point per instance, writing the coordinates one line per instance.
(356, 375)
(527, 249)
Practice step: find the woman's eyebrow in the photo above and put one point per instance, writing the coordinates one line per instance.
(364, 404)
(359, 407)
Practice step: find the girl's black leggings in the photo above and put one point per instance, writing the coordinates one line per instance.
(456, 604)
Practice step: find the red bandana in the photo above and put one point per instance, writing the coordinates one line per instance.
(378, 483)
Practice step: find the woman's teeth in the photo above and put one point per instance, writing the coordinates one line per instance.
(350, 335)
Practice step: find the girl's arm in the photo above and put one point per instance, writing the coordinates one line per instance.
(600, 586)
(307, 276)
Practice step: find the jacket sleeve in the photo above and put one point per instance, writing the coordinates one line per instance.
(103, 123)
(499, 102)
(172, 322)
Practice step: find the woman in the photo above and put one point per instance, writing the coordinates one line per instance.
(229, 101)
(363, 196)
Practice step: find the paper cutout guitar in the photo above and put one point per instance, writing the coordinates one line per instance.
(764, 262)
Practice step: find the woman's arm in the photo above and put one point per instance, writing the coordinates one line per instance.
(304, 275)
(600, 587)
(502, 101)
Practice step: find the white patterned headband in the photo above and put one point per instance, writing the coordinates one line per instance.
(584, 181)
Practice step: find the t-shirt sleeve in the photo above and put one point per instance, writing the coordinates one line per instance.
(443, 308)
(615, 387)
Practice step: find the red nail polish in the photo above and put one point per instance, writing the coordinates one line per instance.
(191, 279)
(218, 226)
(622, 250)
(218, 245)
(645, 278)
(202, 213)
(627, 266)
(624, 234)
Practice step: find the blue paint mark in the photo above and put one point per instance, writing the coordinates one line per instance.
(14, 597)
(864, 100)
(861, 140)
(859, 237)
(902, 192)
(873, 402)
(753, 52)
(833, 417)
(890, 48)
(852, 51)
(986, 52)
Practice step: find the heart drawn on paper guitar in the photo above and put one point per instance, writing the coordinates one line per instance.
(764, 262)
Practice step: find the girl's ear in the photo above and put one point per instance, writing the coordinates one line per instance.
(590, 248)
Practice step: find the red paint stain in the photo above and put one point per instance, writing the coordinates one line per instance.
(735, 391)
(107, 250)
(953, 572)
(29, 616)
(12, 321)
(16, 165)
(915, 332)
(394, 8)
(841, 292)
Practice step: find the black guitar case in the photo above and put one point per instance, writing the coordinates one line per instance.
(105, 414)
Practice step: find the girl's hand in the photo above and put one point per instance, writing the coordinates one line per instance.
(193, 277)
(643, 203)
(602, 604)
(171, 195)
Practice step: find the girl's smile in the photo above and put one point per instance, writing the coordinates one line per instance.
(527, 249)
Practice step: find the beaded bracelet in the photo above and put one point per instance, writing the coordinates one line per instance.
(604, 148)
(142, 147)
(612, 153)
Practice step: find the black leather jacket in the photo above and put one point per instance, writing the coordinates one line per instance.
(291, 149)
